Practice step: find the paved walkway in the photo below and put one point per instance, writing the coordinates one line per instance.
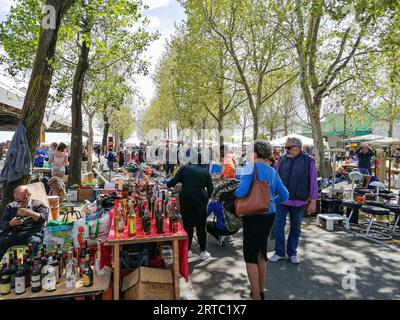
(326, 257)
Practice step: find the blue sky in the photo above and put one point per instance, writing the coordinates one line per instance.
(163, 14)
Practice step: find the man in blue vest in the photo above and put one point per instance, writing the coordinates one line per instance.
(299, 175)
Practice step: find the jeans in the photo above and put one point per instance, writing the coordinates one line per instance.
(365, 171)
(14, 238)
(296, 216)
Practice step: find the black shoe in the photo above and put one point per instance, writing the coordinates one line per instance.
(262, 295)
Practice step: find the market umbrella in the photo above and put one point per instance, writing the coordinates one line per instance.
(18, 161)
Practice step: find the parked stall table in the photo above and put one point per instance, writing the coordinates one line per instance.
(179, 244)
(100, 285)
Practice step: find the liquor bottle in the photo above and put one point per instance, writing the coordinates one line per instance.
(159, 222)
(20, 278)
(140, 207)
(82, 257)
(144, 206)
(45, 255)
(27, 268)
(70, 270)
(5, 278)
(163, 203)
(11, 266)
(36, 276)
(146, 221)
(120, 226)
(153, 206)
(174, 221)
(49, 281)
(56, 266)
(132, 224)
(60, 259)
(87, 277)
(97, 262)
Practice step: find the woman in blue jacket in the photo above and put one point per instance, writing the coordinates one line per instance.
(256, 228)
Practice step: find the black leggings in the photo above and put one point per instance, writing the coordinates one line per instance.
(194, 214)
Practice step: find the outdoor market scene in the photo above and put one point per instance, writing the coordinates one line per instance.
(199, 150)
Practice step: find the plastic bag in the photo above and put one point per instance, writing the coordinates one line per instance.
(97, 227)
(58, 232)
(78, 233)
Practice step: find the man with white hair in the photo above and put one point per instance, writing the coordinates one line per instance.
(23, 221)
(299, 175)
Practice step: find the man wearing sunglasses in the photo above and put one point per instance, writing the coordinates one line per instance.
(23, 222)
(299, 175)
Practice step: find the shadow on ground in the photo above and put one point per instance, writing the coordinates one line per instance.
(326, 258)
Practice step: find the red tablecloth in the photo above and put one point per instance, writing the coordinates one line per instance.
(183, 244)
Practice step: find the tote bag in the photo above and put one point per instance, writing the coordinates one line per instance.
(257, 200)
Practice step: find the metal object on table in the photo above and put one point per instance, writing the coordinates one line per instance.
(73, 212)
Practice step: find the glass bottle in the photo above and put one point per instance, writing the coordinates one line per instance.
(98, 257)
(132, 223)
(49, 281)
(56, 266)
(146, 221)
(60, 259)
(82, 257)
(159, 222)
(11, 266)
(27, 268)
(20, 278)
(174, 221)
(70, 270)
(87, 276)
(5, 278)
(120, 222)
(36, 276)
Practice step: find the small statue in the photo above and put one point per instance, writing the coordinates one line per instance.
(57, 187)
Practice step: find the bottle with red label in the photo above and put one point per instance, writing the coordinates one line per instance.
(173, 218)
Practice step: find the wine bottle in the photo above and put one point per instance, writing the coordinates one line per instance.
(82, 257)
(27, 268)
(36, 276)
(11, 266)
(20, 278)
(5, 278)
(87, 277)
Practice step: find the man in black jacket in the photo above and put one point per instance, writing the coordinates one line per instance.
(23, 222)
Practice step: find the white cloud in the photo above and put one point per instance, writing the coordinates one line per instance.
(5, 5)
(154, 22)
(153, 4)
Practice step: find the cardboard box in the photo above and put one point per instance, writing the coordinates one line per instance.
(148, 284)
(85, 194)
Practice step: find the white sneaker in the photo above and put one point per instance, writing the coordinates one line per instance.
(275, 258)
(204, 255)
(190, 254)
(294, 260)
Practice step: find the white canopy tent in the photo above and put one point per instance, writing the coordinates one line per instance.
(366, 138)
(386, 141)
(280, 142)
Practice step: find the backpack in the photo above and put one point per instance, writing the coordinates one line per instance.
(232, 222)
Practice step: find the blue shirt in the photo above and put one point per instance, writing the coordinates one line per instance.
(41, 157)
(278, 191)
(216, 207)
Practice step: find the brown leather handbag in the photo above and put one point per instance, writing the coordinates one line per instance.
(257, 200)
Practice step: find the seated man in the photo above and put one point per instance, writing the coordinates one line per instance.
(23, 221)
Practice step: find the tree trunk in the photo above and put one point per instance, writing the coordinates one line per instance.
(318, 139)
(392, 117)
(256, 121)
(90, 143)
(106, 129)
(38, 89)
(74, 176)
